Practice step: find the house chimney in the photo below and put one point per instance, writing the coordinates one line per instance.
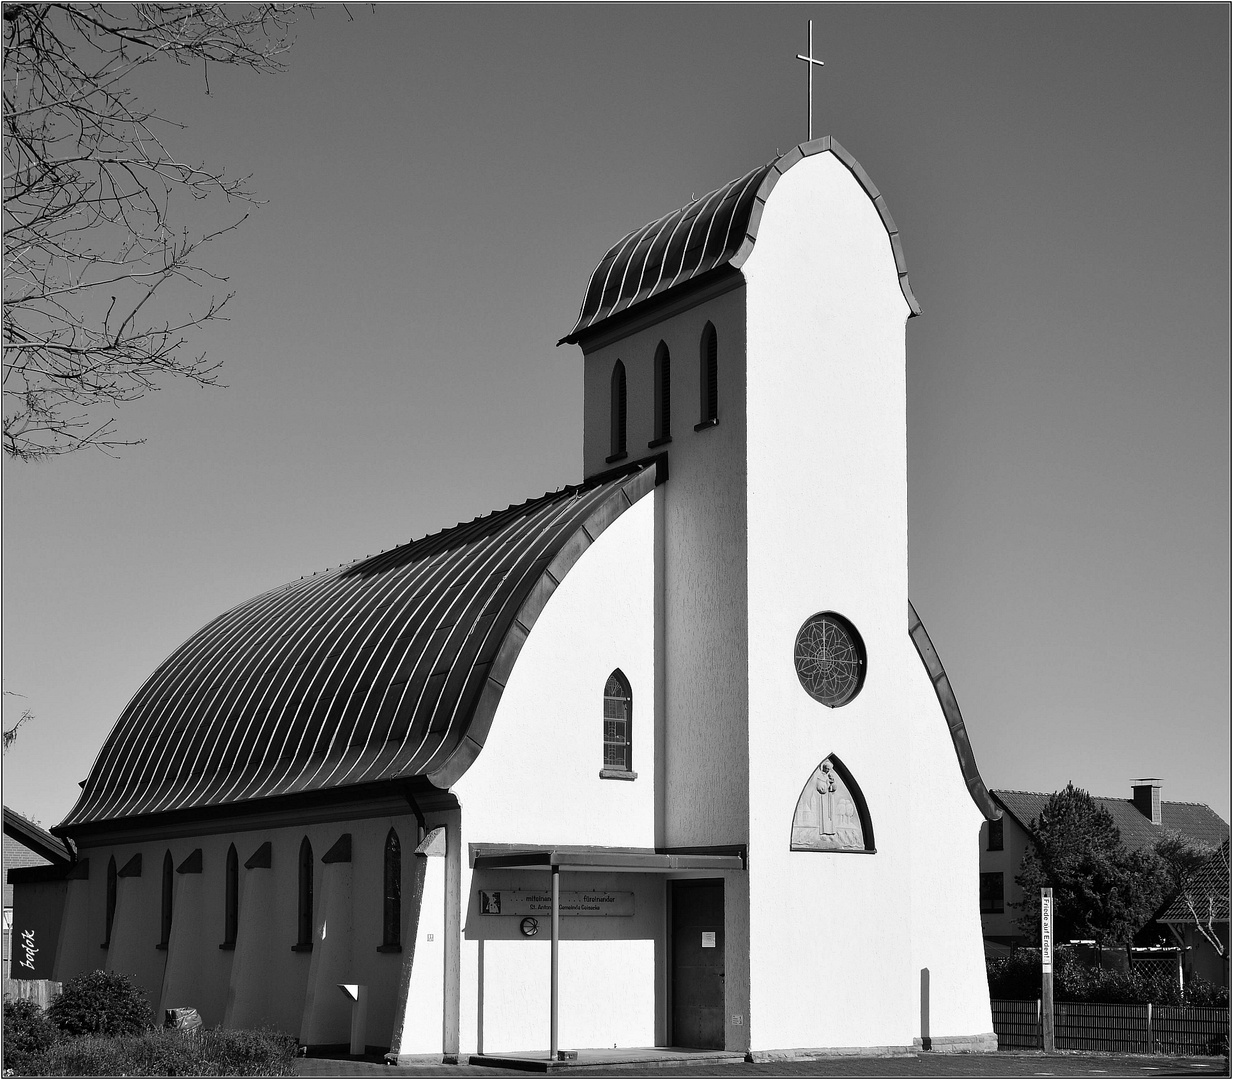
(1147, 797)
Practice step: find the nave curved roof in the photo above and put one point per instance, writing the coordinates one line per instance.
(385, 669)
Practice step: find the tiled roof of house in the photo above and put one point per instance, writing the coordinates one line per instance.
(1191, 819)
(39, 845)
(1210, 883)
(389, 668)
(706, 234)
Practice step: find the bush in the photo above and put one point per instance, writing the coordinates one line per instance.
(1200, 992)
(100, 1003)
(1017, 978)
(27, 1034)
(168, 1053)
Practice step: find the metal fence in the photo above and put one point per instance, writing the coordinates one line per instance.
(1190, 1031)
(1017, 1025)
(1117, 1029)
(1125, 1029)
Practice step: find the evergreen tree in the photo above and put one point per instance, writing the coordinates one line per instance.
(1101, 891)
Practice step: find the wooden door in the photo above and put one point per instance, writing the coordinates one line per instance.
(698, 964)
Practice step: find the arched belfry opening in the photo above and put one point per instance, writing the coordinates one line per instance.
(663, 395)
(708, 376)
(617, 441)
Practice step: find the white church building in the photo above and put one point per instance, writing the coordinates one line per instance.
(662, 759)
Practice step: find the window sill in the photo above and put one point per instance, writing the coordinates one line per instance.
(228, 946)
(389, 948)
(616, 457)
(661, 441)
(617, 774)
(302, 947)
(705, 424)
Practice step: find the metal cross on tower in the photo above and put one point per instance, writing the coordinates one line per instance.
(811, 60)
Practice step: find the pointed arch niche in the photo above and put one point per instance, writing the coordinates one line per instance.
(831, 814)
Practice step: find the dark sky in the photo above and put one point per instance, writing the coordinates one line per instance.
(439, 183)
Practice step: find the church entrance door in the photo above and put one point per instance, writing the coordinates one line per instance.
(698, 964)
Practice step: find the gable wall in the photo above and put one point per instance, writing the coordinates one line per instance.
(1005, 862)
(827, 476)
(537, 782)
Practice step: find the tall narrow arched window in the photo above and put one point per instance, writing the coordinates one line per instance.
(111, 900)
(304, 924)
(663, 395)
(708, 377)
(168, 883)
(618, 728)
(231, 899)
(391, 915)
(618, 412)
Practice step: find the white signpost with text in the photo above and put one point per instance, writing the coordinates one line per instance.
(1046, 968)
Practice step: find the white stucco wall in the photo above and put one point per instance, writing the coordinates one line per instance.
(831, 935)
(423, 1015)
(234, 987)
(946, 929)
(703, 570)
(537, 782)
(135, 928)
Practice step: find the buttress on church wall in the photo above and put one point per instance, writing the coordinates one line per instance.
(234, 986)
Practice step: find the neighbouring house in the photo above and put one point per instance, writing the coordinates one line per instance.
(662, 758)
(1140, 820)
(29, 851)
(1204, 902)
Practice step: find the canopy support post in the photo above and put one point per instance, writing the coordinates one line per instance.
(556, 940)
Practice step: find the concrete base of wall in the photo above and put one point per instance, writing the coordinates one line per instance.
(421, 1059)
(816, 1053)
(959, 1044)
(646, 1059)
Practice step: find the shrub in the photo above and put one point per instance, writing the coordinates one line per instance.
(1017, 978)
(100, 1003)
(168, 1053)
(27, 1034)
(1200, 992)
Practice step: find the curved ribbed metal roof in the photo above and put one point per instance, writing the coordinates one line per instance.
(716, 230)
(388, 668)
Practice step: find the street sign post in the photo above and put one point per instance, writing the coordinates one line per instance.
(1046, 968)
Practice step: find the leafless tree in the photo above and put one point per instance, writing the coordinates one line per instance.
(97, 255)
(9, 734)
(1198, 871)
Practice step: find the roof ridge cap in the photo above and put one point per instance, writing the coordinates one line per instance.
(559, 492)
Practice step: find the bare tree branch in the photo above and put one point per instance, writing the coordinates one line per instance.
(1197, 869)
(95, 263)
(9, 735)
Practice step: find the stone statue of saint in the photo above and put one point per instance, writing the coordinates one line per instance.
(826, 801)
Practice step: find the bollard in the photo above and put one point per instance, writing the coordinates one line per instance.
(359, 1014)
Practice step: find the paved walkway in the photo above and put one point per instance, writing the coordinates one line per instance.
(1001, 1064)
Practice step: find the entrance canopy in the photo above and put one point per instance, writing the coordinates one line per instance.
(693, 862)
(608, 859)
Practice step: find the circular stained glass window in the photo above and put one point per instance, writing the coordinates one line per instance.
(830, 659)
